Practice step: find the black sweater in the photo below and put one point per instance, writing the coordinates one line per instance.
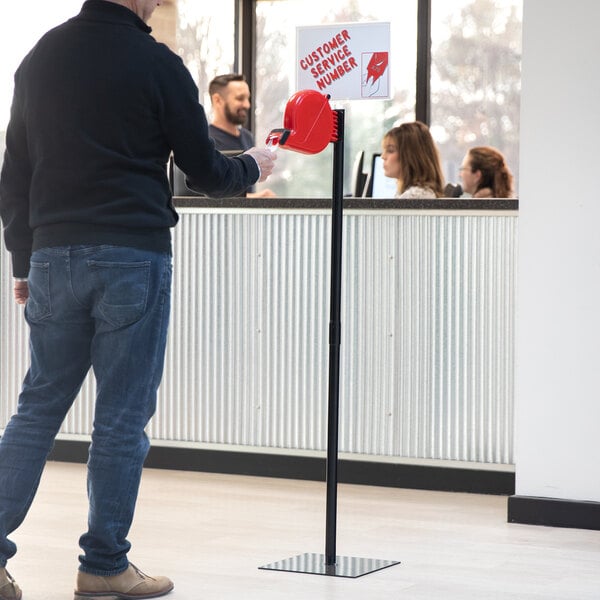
(98, 106)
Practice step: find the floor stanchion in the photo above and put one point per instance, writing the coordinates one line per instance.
(330, 563)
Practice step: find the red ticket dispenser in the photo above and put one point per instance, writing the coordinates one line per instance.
(309, 124)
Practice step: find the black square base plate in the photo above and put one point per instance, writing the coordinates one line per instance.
(345, 566)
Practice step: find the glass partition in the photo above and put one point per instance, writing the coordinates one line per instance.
(475, 72)
(204, 38)
(476, 79)
(366, 121)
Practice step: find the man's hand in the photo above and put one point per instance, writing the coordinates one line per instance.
(21, 291)
(266, 193)
(265, 159)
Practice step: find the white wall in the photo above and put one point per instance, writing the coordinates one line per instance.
(557, 449)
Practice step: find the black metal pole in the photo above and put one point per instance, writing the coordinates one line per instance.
(335, 326)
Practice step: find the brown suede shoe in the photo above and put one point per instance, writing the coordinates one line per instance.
(132, 584)
(9, 590)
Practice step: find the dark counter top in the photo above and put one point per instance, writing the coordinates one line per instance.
(349, 203)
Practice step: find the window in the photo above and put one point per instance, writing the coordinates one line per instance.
(475, 72)
(366, 121)
(476, 79)
(203, 34)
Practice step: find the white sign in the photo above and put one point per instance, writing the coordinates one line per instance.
(348, 61)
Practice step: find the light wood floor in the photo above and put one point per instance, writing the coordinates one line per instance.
(210, 533)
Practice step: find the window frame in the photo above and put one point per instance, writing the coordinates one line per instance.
(245, 53)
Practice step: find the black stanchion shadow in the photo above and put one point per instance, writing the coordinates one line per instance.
(309, 126)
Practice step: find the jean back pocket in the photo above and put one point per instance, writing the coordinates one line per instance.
(123, 290)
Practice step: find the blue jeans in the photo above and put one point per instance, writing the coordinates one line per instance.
(106, 307)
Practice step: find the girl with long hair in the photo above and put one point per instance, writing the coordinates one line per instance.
(484, 174)
(410, 155)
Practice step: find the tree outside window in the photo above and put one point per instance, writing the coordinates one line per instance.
(476, 79)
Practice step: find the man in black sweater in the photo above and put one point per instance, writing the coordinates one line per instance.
(98, 107)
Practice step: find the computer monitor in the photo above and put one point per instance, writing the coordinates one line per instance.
(378, 185)
(359, 177)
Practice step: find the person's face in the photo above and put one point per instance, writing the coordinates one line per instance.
(144, 8)
(390, 158)
(470, 179)
(236, 102)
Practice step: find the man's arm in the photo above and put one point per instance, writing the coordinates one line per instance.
(186, 127)
(14, 191)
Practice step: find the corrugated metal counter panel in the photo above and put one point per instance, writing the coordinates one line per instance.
(13, 341)
(427, 353)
